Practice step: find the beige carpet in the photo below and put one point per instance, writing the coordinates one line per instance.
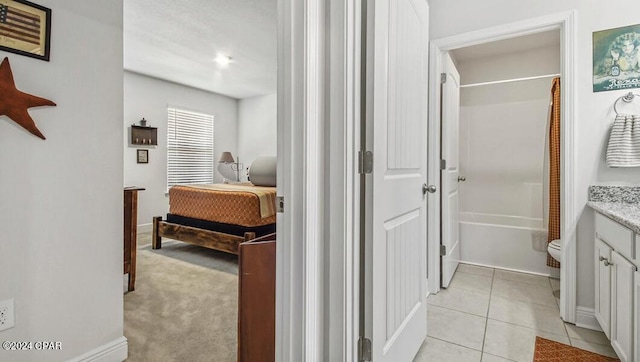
(185, 304)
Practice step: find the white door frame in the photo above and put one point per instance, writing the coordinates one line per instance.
(298, 283)
(566, 23)
(317, 248)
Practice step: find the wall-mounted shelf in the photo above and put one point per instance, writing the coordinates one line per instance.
(144, 136)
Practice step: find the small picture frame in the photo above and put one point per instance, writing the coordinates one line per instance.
(26, 28)
(143, 156)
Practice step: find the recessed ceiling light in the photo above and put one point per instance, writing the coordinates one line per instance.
(222, 59)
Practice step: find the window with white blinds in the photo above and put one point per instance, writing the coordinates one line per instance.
(189, 147)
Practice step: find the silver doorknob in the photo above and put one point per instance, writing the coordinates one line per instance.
(428, 188)
(462, 179)
(607, 263)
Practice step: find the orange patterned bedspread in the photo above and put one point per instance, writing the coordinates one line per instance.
(224, 203)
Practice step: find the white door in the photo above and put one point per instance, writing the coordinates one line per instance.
(449, 196)
(397, 103)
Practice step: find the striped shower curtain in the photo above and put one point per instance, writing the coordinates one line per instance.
(554, 169)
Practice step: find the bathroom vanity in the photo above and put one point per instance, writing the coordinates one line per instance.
(617, 280)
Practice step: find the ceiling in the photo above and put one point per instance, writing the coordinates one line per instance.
(512, 45)
(178, 40)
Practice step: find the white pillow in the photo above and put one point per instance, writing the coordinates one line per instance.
(263, 171)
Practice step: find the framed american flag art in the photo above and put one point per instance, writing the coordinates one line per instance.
(25, 28)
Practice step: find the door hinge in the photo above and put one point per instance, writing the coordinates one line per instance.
(364, 349)
(365, 162)
(443, 77)
(443, 250)
(443, 164)
(280, 204)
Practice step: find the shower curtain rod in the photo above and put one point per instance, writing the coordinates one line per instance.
(509, 80)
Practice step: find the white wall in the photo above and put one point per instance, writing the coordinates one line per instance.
(149, 98)
(502, 132)
(257, 128)
(61, 199)
(594, 115)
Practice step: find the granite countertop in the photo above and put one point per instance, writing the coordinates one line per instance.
(624, 213)
(620, 203)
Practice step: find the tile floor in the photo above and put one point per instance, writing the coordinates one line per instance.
(495, 315)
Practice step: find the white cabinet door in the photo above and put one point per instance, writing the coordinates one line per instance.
(636, 315)
(622, 306)
(603, 286)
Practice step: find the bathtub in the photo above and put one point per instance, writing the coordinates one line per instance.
(502, 241)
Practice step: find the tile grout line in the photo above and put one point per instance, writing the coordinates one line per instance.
(564, 324)
(455, 310)
(455, 344)
(527, 283)
(533, 329)
(501, 296)
(478, 275)
(554, 296)
(526, 301)
(486, 319)
(467, 290)
(555, 305)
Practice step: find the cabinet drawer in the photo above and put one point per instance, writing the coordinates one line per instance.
(617, 236)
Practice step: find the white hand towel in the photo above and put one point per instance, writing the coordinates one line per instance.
(624, 142)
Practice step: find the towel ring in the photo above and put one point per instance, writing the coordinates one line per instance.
(627, 98)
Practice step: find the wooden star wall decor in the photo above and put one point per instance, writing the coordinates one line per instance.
(14, 103)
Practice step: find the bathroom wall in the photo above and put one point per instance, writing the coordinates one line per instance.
(502, 132)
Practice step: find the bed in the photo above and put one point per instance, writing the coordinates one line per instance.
(217, 216)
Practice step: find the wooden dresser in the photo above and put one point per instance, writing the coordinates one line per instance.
(130, 233)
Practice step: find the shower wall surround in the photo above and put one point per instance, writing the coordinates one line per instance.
(502, 157)
(502, 132)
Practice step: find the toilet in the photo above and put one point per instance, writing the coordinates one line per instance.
(555, 249)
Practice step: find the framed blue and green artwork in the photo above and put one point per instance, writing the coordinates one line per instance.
(616, 59)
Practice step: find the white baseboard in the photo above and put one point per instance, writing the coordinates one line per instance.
(586, 318)
(114, 351)
(145, 228)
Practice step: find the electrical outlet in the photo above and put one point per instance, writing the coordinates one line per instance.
(7, 317)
